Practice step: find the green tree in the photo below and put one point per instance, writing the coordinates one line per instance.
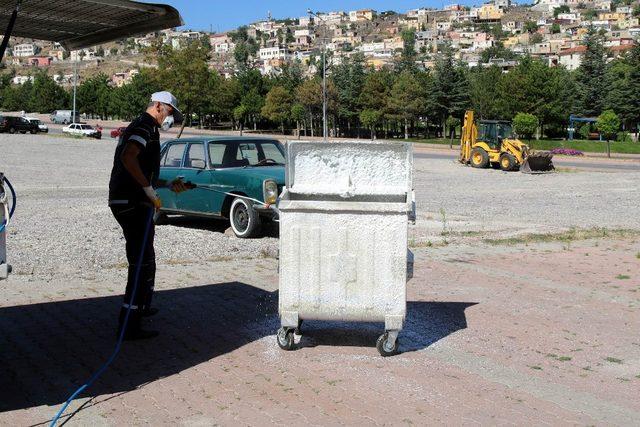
(94, 95)
(277, 106)
(591, 74)
(608, 124)
(620, 96)
(525, 124)
(309, 95)
(555, 28)
(46, 95)
(589, 14)
(226, 99)
(530, 27)
(561, 9)
(482, 91)
(185, 72)
(407, 61)
(298, 115)
(451, 89)
(370, 119)
(536, 38)
(403, 103)
(240, 114)
(348, 79)
(131, 100)
(252, 102)
(452, 123)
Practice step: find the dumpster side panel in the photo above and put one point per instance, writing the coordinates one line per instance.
(348, 267)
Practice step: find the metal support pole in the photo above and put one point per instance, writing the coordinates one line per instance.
(75, 87)
(4, 266)
(9, 30)
(325, 128)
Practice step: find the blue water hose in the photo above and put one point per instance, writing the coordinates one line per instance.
(13, 207)
(116, 350)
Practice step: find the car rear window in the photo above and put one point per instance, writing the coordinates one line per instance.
(86, 127)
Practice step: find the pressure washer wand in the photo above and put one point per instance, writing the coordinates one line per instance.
(191, 186)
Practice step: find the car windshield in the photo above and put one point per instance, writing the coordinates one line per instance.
(246, 153)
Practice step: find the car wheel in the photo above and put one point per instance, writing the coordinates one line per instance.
(12, 130)
(33, 131)
(245, 221)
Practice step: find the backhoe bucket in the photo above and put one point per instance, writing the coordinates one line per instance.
(537, 162)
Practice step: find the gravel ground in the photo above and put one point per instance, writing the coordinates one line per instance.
(63, 225)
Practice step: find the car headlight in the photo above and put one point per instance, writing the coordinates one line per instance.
(270, 192)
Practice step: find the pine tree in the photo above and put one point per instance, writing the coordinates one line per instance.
(591, 75)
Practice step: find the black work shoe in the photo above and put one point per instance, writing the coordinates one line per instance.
(139, 334)
(151, 311)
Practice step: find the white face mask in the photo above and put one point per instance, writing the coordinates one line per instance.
(167, 123)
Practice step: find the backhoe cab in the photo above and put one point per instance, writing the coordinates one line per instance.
(491, 143)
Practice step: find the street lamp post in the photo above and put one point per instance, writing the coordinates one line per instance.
(324, 76)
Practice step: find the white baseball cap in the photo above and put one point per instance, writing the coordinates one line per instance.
(167, 98)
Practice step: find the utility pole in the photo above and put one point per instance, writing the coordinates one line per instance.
(325, 129)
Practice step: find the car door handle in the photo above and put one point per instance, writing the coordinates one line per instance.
(180, 176)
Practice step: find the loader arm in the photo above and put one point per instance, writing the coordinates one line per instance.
(468, 138)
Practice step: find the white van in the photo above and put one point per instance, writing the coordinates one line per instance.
(64, 117)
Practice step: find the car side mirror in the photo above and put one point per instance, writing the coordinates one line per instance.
(198, 164)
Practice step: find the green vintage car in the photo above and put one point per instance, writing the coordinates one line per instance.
(252, 167)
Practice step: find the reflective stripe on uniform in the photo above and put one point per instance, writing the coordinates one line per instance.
(139, 139)
(118, 202)
(133, 307)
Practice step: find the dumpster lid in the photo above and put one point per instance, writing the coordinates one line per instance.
(349, 169)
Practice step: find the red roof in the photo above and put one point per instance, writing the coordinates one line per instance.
(573, 50)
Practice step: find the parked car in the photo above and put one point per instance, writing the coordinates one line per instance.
(17, 124)
(64, 117)
(41, 126)
(82, 129)
(235, 165)
(115, 133)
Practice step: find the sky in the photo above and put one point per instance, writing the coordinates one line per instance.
(225, 15)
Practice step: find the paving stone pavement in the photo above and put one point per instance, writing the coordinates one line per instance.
(537, 334)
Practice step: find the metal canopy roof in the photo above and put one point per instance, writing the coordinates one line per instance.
(78, 24)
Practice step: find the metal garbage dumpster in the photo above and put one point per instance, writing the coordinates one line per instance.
(343, 236)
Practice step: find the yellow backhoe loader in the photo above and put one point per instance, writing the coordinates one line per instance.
(492, 144)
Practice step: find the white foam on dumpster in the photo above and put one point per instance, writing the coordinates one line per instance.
(348, 169)
(344, 259)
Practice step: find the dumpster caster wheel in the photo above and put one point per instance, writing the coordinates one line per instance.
(285, 339)
(385, 347)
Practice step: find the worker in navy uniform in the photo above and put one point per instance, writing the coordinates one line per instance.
(132, 197)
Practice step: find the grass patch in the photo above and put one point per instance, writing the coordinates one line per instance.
(550, 144)
(614, 360)
(565, 236)
(638, 255)
(537, 368)
(623, 277)
(563, 359)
